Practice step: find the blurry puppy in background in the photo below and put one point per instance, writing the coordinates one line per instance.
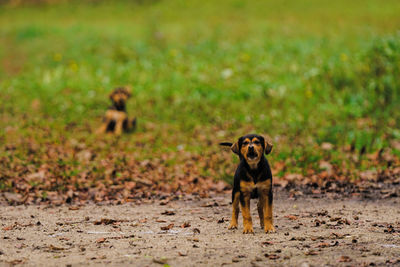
(116, 119)
(253, 179)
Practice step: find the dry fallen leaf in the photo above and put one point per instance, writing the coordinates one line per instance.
(168, 227)
(8, 228)
(291, 217)
(267, 243)
(323, 245)
(17, 261)
(161, 260)
(164, 202)
(272, 256)
(185, 225)
(311, 252)
(336, 236)
(168, 212)
(52, 247)
(209, 204)
(105, 221)
(235, 259)
(101, 240)
(344, 259)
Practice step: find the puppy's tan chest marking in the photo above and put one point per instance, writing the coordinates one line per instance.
(249, 186)
(264, 186)
(253, 165)
(115, 115)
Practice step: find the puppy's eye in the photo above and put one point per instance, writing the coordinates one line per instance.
(256, 142)
(245, 142)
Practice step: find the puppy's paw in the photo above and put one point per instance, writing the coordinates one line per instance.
(101, 130)
(269, 228)
(248, 229)
(232, 226)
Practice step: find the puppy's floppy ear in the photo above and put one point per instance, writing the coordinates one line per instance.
(128, 91)
(267, 146)
(111, 95)
(235, 148)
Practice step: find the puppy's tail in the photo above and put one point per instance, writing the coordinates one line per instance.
(225, 144)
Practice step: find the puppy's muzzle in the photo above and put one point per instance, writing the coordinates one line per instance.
(251, 153)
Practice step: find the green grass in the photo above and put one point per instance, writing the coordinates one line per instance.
(303, 72)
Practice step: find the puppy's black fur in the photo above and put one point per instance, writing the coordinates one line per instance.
(116, 118)
(253, 179)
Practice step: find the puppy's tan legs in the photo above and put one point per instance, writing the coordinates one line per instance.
(247, 222)
(118, 127)
(245, 190)
(265, 201)
(268, 219)
(103, 128)
(119, 118)
(235, 211)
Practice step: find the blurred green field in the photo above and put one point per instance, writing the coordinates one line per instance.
(303, 72)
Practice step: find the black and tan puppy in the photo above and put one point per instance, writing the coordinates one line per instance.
(116, 119)
(253, 179)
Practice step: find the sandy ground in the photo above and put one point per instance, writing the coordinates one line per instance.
(310, 232)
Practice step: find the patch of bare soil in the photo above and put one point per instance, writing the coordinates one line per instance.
(310, 231)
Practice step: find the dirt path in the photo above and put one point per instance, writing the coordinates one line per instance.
(309, 232)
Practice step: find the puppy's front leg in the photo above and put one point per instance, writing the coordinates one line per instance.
(120, 117)
(119, 126)
(245, 205)
(246, 187)
(103, 128)
(235, 211)
(265, 201)
(268, 219)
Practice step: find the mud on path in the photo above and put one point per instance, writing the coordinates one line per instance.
(309, 232)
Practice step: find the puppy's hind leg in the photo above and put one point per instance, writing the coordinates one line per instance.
(133, 124)
(130, 125)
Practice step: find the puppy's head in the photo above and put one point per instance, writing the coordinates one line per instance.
(119, 96)
(251, 147)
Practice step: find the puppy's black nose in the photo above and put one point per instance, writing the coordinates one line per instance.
(251, 149)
